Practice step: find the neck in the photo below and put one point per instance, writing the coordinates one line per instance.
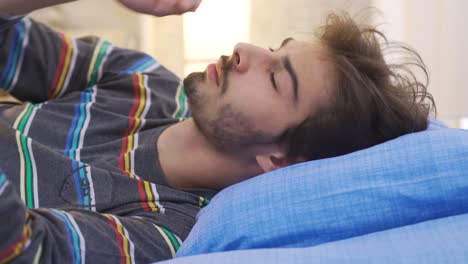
(189, 161)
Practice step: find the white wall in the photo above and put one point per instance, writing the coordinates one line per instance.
(437, 29)
(104, 18)
(274, 20)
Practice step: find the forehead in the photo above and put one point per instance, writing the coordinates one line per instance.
(314, 73)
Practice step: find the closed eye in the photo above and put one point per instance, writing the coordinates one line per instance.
(273, 82)
(272, 75)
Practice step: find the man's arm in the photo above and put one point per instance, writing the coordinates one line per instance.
(38, 64)
(162, 7)
(22, 7)
(150, 7)
(79, 236)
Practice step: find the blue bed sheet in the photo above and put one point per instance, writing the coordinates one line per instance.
(438, 241)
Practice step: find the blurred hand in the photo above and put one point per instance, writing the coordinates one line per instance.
(161, 7)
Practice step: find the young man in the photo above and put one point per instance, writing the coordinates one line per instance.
(105, 163)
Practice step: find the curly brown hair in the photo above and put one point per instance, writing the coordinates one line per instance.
(372, 101)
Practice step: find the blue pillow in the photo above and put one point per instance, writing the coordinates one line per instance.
(411, 179)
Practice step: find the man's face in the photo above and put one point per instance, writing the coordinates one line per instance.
(255, 95)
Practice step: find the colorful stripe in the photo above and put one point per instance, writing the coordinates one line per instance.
(38, 255)
(141, 104)
(15, 249)
(28, 170)
(74, 144)
(181, 111)
(124, 243)
(149, 197)
(20, 40)
(3, 182)
(92, 197)
(172, 241)
(27, 23)
(75, 239)
(155, 198)
(101, 52)
(143, 65)
(65, 67)
(136, 117)
(203, 202)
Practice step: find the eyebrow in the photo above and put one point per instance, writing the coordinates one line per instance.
(285, 41)
(288, 66)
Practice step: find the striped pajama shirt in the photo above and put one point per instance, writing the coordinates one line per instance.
(81, 181)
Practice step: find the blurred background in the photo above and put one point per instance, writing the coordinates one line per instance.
(435, 28)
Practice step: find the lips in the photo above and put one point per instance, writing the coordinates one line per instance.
(213, 73)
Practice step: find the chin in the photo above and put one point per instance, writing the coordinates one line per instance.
(192, 81)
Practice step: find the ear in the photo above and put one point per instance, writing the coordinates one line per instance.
(272, 160)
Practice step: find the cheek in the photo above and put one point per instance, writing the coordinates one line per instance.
(250, 92)
(267, 113)
(259, 102)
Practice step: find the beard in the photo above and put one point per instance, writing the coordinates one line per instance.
(227, 129)
(191, 83)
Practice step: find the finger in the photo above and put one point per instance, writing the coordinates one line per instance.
(196, 5)
(162, 7)
(177, 6)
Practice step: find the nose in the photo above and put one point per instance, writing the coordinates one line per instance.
(246, 56)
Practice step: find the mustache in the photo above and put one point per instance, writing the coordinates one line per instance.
(226, 66)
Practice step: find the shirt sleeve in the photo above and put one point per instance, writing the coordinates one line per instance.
(38, 64)
(6, 20)
(78, 236)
